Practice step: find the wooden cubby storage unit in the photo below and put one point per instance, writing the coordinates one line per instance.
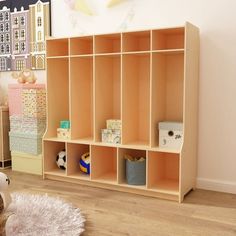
(141, 78)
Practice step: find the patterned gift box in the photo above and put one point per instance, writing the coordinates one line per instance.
(111, 136)
(34, 103)
(15, 96)
(30, 125)
(63, 133)
(28, 143)
(113, 124)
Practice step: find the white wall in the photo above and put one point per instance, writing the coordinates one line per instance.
(217, 110)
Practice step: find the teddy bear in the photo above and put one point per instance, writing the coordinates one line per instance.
(5, 200)
(24, 76)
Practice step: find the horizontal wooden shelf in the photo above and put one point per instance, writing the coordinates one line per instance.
(79, 175)
(169, 51)
(56, 139)
(88, 140)
(57, 57)
(136, 145)
(56, 172)
(166, 150)
(108, 54)
(164, 51)
(141, 187)
(133, 145)
(108, 178)
(136, 52)
(166, 186)
(81, 55)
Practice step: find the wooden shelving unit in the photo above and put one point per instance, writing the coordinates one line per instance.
(5, 154)
(141, 78)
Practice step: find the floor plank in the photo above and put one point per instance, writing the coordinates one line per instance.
(111, 213)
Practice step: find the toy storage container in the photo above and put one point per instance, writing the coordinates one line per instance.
(28, 143)
(34, 102)
(111, 135)
(136, 172)
(27, 163)
(27, 106)
(29, 125)
(15, 96)
(170, 134)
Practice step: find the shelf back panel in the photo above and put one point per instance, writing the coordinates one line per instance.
(136, 98)
(57, 47)
(58, 94)
(168, 39)
(81, 45)
(81, 88)
(107, 91)
(103, 161)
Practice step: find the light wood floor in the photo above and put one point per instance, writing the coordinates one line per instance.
(115, 213)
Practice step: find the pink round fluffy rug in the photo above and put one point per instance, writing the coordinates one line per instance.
(40, 215)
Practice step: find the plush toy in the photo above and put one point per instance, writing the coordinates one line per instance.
(24, 76)
(5, 200)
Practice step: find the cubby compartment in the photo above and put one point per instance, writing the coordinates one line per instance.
(115, 89)
(58, 101)
(136, 99)
(163, 172)
(110, 43)
(167, 39)
(122, 178)
(51, 150)
(57, 47)
(136, 41)
(107, 91)
(104, 164)
(81, 45)
(74, 153)
(81, 98)
(167, 91)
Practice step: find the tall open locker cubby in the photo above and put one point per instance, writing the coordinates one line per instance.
(140, 78)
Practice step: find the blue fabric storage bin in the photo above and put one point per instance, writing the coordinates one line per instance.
(136, 172)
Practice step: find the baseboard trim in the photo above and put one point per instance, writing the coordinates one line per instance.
(216, 185)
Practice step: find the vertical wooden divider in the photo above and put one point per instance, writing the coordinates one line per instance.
(94, 111)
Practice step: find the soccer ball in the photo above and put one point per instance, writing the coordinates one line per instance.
(84, 163)
(61, 160)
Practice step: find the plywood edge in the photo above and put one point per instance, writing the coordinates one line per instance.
(188, 165)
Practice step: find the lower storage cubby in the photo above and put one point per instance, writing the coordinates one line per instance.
(104, 164)
(51, 153)
(74, 153)
(163, 172)
(137, 178)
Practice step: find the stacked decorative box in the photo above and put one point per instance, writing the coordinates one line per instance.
(112, 133)
(27, 107)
